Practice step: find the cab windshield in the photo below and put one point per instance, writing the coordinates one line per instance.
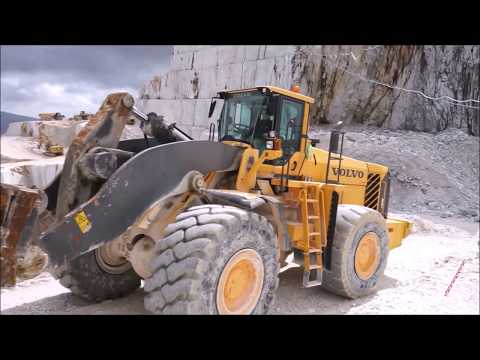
(244, 118)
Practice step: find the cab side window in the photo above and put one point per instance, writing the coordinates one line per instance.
(242, 115)
(290, 129)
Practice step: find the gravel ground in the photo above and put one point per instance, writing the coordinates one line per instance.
(417, 276)
(435, 177)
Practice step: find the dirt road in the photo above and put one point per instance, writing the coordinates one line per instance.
(417, 276)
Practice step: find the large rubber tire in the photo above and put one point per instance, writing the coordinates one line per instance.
(353, 222)
(191, 256)
(86, 279)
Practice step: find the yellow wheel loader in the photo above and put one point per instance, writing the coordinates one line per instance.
(206, 224)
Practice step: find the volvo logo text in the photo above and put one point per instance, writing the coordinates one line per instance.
(348, 172)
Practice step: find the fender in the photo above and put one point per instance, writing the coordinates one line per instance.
(258, 203)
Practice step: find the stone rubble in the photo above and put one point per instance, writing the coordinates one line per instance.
(51, 116)
(25, 158)
(430, 173)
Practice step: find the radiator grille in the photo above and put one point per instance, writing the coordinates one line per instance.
(372, 191)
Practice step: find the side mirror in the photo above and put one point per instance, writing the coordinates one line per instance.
(212, 108)
(333, 147)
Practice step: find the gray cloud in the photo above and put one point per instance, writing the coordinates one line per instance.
(73, 78)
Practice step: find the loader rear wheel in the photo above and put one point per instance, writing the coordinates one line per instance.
(359, 252)
(96, 277)
(214, 260)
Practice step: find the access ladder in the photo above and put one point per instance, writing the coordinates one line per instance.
(314, 233)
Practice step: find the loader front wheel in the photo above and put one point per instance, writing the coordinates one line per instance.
(359, 252)
(214, 260)
(96, 277)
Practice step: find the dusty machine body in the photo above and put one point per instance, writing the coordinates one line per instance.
(206, 224)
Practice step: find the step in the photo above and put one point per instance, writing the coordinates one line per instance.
(314, 250)
(313, 217)
(314, 234)
(312, 201)
(312, 284)
(307, 282)
(315, 267)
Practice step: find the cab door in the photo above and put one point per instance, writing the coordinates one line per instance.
(289, 125)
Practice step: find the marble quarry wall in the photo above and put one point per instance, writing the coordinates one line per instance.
(340, 78)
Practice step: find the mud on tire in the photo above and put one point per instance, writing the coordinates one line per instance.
(194, 250)
(352, 223)
(86, 279)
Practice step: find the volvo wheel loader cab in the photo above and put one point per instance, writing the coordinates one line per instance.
(209, 224)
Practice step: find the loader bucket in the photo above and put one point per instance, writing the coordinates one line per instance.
(146, 178)
(28, 228)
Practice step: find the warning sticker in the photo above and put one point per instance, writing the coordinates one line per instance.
(82, 221)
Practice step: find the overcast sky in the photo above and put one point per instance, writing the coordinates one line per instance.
(68, 79)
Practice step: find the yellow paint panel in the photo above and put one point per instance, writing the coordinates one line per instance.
(352, 194)
(278, 90)
(291, 94)
(378, 169)
(82, 221)
(245, 178)
(398, 229)
(303, 141)
(295, 230)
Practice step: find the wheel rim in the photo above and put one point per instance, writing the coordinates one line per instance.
(109, 261)
(240, 283)
(367, 255)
